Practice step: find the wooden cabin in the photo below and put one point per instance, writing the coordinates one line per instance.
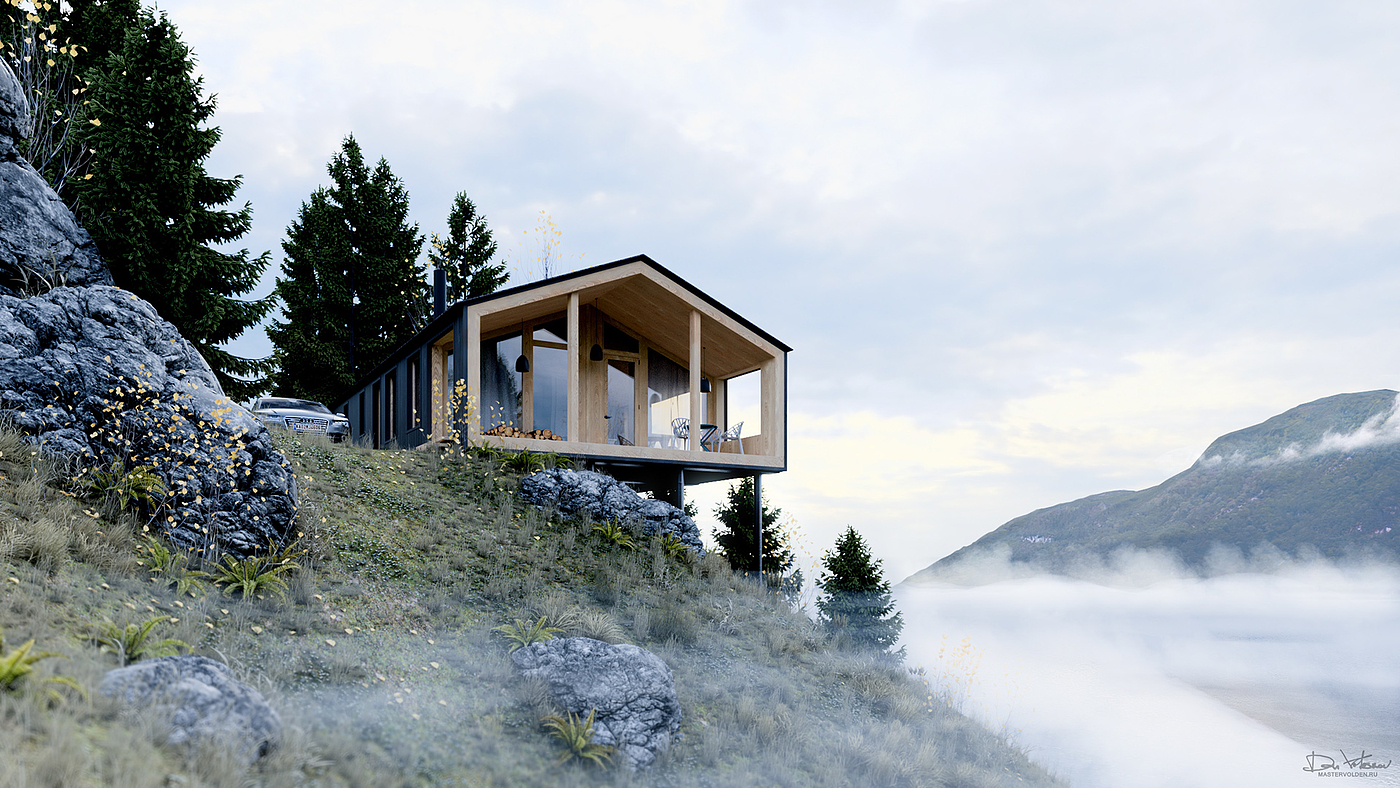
(613, 365)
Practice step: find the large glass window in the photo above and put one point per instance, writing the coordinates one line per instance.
(744, 403)
(622, 400)
(668, 399)
(414, 392)
(500, 384)
(551, 389)
(389, 420)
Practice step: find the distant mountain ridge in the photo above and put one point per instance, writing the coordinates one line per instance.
(1324, 477)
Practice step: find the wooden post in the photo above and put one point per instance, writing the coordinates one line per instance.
(697, 416)
(573, 428)
(680, 489)
(758, 515)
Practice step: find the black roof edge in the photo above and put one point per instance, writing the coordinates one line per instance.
(453, 311)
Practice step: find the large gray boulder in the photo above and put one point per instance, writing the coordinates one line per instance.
(199, 703)
(629, 689)
(603, 498)
(94, 372)
(40, 241)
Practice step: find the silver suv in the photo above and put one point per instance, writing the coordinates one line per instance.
(301, 416)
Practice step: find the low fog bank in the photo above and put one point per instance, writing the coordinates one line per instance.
(1150, 675)
(1134, 568)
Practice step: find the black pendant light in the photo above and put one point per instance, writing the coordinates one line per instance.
(596, 352)
(522, 364)
(704, 385)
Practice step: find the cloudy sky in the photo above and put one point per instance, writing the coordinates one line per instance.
(1024, 251)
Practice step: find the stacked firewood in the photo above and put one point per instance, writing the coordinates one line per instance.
(511, 431)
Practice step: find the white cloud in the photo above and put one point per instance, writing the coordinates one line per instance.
(1024, 252)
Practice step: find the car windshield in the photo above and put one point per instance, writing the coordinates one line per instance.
(292, 404)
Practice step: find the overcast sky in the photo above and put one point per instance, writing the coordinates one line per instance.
(1024, 251)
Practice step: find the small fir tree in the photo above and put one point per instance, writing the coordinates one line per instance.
(154, 211)
(737, 532)
(856, 599)
(351, 286)
(465, 254)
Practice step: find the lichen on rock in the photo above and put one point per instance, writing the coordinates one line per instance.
(95, 373)
(604, 498)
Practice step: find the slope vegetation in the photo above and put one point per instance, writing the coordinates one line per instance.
(383, 661)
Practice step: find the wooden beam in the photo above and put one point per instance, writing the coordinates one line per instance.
(696, 414)
(467, 354)
(573, 431)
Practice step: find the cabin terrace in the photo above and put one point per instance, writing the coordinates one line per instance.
(624, 366)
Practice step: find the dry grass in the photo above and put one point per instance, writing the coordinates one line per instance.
(383, 663)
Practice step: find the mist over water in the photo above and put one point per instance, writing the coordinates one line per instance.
(1231, 680)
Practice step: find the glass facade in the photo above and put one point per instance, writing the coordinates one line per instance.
(501, 385)
(550, 370)
(622, 400)
(668, 399)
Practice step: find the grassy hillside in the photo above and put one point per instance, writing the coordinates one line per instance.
(383, 662)
(1290, 483)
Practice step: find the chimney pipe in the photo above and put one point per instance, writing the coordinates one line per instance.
(439, 291)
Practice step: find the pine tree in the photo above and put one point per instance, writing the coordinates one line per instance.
(153, 210)
(465, 255)
(351, 284)
(737, 537)
(856, 599)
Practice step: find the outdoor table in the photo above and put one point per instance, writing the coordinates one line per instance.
(707, 433)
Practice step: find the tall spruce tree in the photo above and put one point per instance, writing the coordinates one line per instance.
(737, 532)
(856, 598)
(351, 284)
(154, 211)
(465, 254)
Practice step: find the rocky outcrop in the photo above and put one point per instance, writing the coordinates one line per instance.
(629, 689)
(41, 243)
(199, 703)
(603, 498)
(94, 372)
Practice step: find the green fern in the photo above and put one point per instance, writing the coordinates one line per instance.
(577, 738)
(173, 566)
(522, 633)
(674, 547)
(613, 532)
(140, 484)
(17, 665)
(133, 642)
(256, 573)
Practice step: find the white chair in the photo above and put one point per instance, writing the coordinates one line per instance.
(731, 434)
(681, 429)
